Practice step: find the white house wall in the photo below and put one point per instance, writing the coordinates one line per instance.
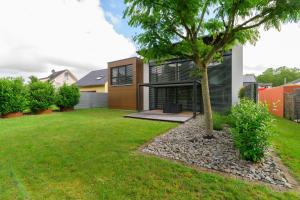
(237, 72)
(60, 80)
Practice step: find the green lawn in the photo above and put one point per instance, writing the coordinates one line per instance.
(287, 143)
(91, 154)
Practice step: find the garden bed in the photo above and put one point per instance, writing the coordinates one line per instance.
(186, 143)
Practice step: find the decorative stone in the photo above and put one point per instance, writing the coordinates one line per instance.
(186, 143)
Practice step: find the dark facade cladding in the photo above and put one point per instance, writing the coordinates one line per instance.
(166, 84)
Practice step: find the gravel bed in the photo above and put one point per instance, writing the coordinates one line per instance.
(186, 143)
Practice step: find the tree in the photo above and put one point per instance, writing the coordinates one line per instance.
(178, 28)
(279, 76)
(67, 96)
(41, 95)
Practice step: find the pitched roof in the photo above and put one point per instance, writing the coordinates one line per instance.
(55, 74)
(98, 77)
(249, 78)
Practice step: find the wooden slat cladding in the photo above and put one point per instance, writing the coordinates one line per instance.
(125, 96)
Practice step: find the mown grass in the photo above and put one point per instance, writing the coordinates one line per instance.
(91, 154)
(287, 144)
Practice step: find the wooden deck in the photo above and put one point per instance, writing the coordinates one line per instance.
(160, 116)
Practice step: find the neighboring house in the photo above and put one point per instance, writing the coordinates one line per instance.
(60, 77)
(265, 85)
(249, 79)
(156, 86)
(95, 81)
(295, 82)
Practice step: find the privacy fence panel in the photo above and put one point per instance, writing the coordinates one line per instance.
(92, 100)
(292, 106)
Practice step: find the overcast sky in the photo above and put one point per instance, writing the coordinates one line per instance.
(39, 35)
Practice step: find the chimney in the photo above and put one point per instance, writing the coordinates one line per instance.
(53, 71)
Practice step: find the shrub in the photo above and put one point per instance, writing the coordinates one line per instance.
(41, 95)
(13, 95)
(252, 128)
(218, 121)
(242, 93)
(67, 96)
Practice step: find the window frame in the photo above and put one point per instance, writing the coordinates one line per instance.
(118, 77)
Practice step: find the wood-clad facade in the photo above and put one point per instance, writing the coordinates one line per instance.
(124, 77)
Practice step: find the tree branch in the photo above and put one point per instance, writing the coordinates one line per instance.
(263, 14)
(202, 16)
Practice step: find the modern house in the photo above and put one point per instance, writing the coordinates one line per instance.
(171, 86)
(60, 77)
(95, 81)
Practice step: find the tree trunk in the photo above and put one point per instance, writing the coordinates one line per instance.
(206, 103)
(206, 99)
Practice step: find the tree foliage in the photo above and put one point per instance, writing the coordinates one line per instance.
(13, 95)
(166, 22)
(41, 95)
(67, 96)
(279, 75)
(203, 29)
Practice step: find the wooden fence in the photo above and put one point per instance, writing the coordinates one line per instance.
(292, 106)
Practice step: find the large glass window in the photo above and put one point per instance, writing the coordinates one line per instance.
(121, 75)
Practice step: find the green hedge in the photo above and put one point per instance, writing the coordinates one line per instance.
(252, 127)
(13, 95)
(67, 96)
(41, 95)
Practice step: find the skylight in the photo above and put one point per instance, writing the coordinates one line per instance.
(99, 77)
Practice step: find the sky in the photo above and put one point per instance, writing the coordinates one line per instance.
(37, 36)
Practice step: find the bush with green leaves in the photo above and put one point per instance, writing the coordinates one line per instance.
(252, 127)
(13, 95)
(242, 93)
(41, 95)
(219, 121)
(67, 96)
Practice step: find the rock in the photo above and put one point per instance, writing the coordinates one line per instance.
(186, 143)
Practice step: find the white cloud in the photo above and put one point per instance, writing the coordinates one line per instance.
(38, 35)
(274, 49)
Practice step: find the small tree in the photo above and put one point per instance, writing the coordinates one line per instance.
(67, 96)
(177, 28)
(13, 95)
(41, 95)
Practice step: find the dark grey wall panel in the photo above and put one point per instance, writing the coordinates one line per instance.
(178, 70)
(92, 100)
